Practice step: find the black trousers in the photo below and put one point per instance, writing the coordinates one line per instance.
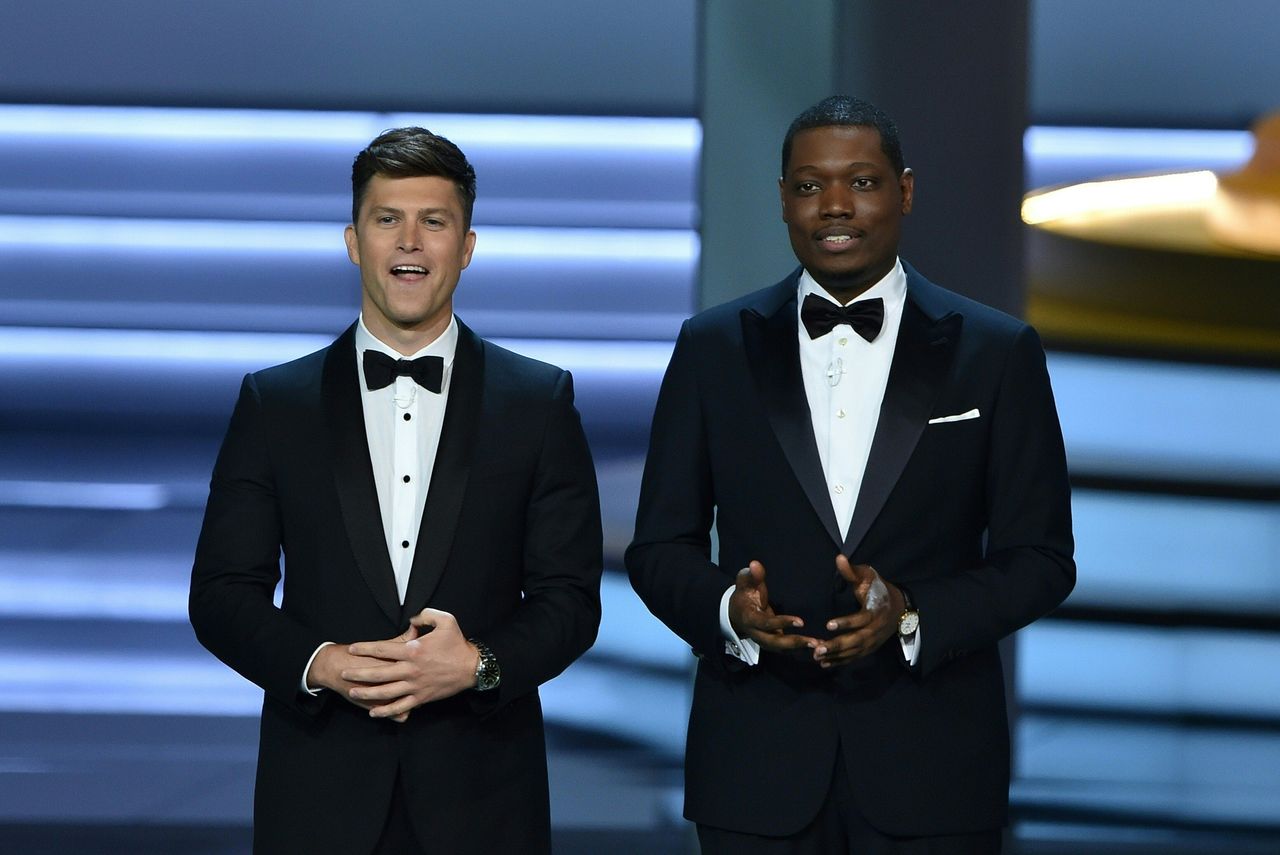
(840, 828)
(398, 837)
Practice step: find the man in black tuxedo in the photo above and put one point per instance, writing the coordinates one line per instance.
(436, 504)
(883, 460)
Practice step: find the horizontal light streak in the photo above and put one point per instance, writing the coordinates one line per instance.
(1136, 417)
(1094, 199)
(1121, 537)
(1041, 141)
(263, 349)
(351, 128)
(88, 233)
(1163, 670)
(196, 348)
(87, 495)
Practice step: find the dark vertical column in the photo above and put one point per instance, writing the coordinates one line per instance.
(954, 78)
(760, 63)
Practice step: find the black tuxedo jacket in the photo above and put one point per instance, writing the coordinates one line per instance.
(509, 543)
(972, 516)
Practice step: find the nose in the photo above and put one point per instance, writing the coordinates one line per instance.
(836, 202)
(408, 240)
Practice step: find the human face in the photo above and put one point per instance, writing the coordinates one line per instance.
(843, 206)
(411, 244)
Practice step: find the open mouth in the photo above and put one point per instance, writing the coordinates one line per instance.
(408, 270)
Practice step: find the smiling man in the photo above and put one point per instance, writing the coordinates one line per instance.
(882, 462)
(436, 505)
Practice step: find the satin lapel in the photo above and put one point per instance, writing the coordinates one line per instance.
(449, 475)
(920, 361)
(353, 473)
(773, 352)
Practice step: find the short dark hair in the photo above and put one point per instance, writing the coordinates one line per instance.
(844, 110)
(410, 153)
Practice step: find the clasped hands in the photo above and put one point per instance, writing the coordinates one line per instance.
(859, 634)
(429, 661)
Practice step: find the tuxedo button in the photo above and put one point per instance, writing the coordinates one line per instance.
(405, 544)
(843, 341)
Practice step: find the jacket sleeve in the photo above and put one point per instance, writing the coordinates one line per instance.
(559, 615)
(1028, 567)
(669, 560)
(237, 566)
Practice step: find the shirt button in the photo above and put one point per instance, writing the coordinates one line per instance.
(839, 414)
(839, 489)
(407, 417)
(843, 342)
(406, 479)
(405, 544)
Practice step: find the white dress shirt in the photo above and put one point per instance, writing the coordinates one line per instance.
(845, 377)
(402, 423)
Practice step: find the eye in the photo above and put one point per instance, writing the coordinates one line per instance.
(434, 222)
(864, 183)
(385, 220)
(807, 187)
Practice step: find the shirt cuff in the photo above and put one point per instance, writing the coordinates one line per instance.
(745, 649)
(305, 671)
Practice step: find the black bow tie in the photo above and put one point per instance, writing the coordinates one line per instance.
(381, 370)
(821, 316)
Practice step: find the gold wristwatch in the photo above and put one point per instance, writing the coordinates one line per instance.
(909, 620)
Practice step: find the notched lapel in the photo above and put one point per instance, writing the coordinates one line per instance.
(773, 352)
(353, 473)
(449, 475)
(920, 362)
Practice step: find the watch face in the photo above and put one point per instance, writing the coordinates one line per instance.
(908, 623)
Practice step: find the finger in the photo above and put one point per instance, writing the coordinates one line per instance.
(770, 623)
(384, 673)
(751, 576)
(408, 635)
(400, 706)
(389, 650)
(845, 569)
(850, 623)
(430, 617)
(843, 648)
(782, 643)
(381, 691)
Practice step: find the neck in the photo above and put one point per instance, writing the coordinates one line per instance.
(405, 341)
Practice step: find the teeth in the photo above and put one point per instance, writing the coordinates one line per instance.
(408, 268)
(837, 238)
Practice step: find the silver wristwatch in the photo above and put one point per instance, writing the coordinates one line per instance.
(488, 674)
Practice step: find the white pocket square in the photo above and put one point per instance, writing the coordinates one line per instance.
(959, 417)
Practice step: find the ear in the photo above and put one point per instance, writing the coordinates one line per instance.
(468, 247)
(907, 184)
(353, 245)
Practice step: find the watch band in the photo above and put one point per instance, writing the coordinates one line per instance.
(488, 674)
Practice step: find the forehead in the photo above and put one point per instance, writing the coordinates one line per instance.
(836, 146)
(412, 194)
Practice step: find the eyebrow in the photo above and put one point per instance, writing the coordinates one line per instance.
(388, 209)
(857, 164)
